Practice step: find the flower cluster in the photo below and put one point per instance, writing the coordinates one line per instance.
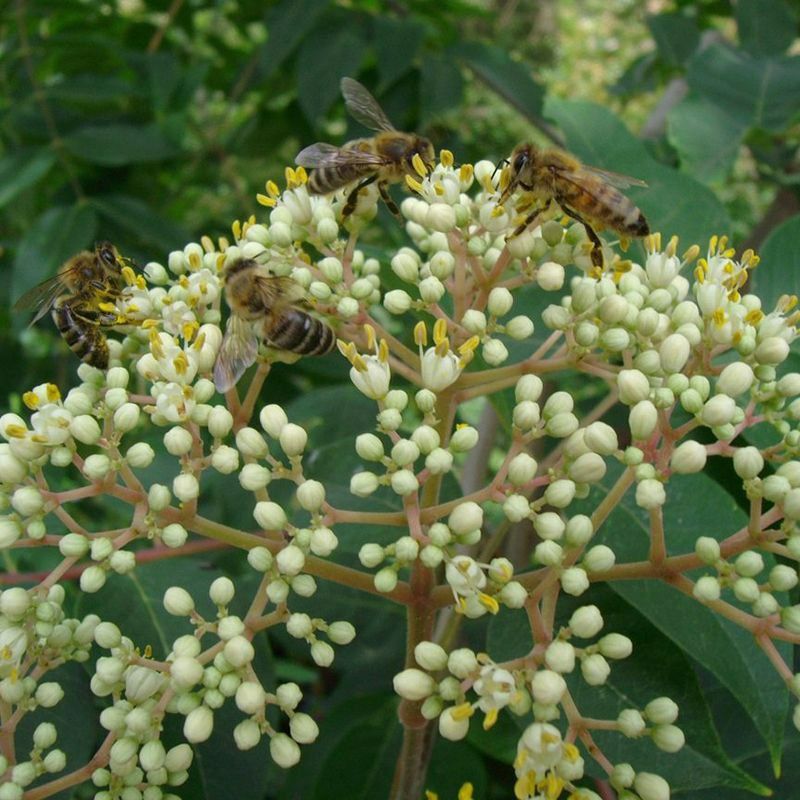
(473, 519)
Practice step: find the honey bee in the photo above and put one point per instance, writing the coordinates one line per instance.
(258, 299)
(386, 157)
(81, 300)
(587, 194)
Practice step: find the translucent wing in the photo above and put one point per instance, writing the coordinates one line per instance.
(614, 178)
(279, 290)
(237, 352)
(43, 295)
(363, 107)
(322, 154)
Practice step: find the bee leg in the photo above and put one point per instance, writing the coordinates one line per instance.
(597, 245)
(387, 198)
(352, 198)
(524, 225)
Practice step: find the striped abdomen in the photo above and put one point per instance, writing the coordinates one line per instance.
(84, 338)
(595, 200)
(301, 333)
(324, 180)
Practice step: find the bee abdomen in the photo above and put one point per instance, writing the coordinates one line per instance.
(324, 180)
(87, 341)
(301, 333)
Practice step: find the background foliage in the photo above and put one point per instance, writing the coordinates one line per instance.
(150, 124)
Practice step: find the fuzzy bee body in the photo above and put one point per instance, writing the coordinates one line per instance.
(587, 194)
(80, 298)
(263, 309)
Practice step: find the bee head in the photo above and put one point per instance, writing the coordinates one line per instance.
(107, 253)
(423, 147)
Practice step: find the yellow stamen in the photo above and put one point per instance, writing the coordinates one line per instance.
(787, 302)
(31, 400)
(223, 244)
(465, 173)
(754, 317)
(571, 753)
(194, 261)
(691, 254)
(263, 200)
(369, 331)
(470, 346)
(108, 307)
(383, 351)
(525, 786)
(420, 334)
(156, 348)
(438, 188)
(273, 190)
(413, 184)
(290, 176)
(440, 331)
(199, 342)
(552, 786)
(719, 317)
(429, 795)
(16, 431)
(141, 283)
(488, 602)
(208, 243)
(463, 711)
(149, 323)
(301, 175)
(52, 392)
(419, 165)
(672, 246)
(358, 362)
(446, 158)
(699, 273)
(188, 329)
(497, 211)
(490, 719)
(344, 348)
(712, 243)
(236, 229)
(128, 275)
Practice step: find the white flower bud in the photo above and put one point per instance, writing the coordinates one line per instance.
(735, 379)
(548, 553)
(185, 672)
(452, 728)
(403, 482)
(601, 438)
(599, 558)
(284, 751)
(431, 289)
(500, 301)
(521, 469)
(27, 500)
(126, 417)
(633, 386)
(430, 656)
(385, 580)
(631, 723)
(719, 410)
(549, 525)
(560, 493)
(643, 419)
(140, 455)
(225, 460)
(273, 418)
(579, 530)
(293, 439)
(674, 352)
(405, 264)
(12, 470)
(178, 602)
(290, 560)
(406, 549)
(772, 350)
(250, 443)
(548, 687)
(520, 327)
(185, 487)
(526, 414)
(270, 516)
(425, 438)
(174, 535)
(650, 494)
(303, 728)
(463, 439)
(311, 495)
(254, 477)
(574, 581)
(516, 508)
(749, 564)
(494, 352)
(650, 786)
(239, 652)
(706, 589)
(198, 725)
(688, 457)
(528, 387)
(462, 663)
(10, 531)
(97, 466)
(561, 426)
(588, 468)
(413, 684)
(550, 276)
(322, 654)
(661, 711)
(615, 645)
(586, 621)
(595, 670)
(404, 453)
(465, 517)
(397, 301)
(85, 429)
(560, 656)
(158, 497)
(783, 578)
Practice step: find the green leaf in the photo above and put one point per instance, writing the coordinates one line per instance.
(164, 72)
(510, 79)
(398, 43)
(452, 765)
(57, 235)
(706, 137)
(779, 270)
(676, 36)
(117, 144)
(758, 91)
(20, 170)
(143, 222)
(441, 88)
(324, 59)
(698, 506)
(766, 27)
(674, 203)
(288, 23)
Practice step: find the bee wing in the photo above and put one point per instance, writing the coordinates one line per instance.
(614, 178)
(363, 107)
(279, 290)
(42, 295)
(322, 154)
(237, 352)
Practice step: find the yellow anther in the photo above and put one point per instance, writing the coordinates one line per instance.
(156, 348)
(465, 173)
(183, 281)
(290, 177)
(198, 343)
(699, 273)
(40, 438)
(236, 228)
(734, 296)
(571, 753)
(719, 317)
(128, 275)
(181, 363)
(344, 348)
(438, 188)
(672, 246)
(488, 602)
(791, 302)
(595, 273)
(712, 243)
(442, 348)
(419, 165)
(465, 792)
(429, 795)
(723, 243)
(222, 244)
(108, 307)
(505, 178)
(272, 189)
(413, 184)
(31, 400)
(652, 243)
(729, 253)
(446, 158)
(16, 431)
(52, 392)
(149, 323)
(358, 362)
(208, 243)
(691, 254)
(383, 351)
(219, 262)
(369, 332)
(188, 329)
(263, 200)
(420, 334)
(440, 331)
(194, 261)
(470, 346)
(754, 317)
(552, 786)
(301, 175)
(490, 719)
(525, 786)
(497, 211)
(463, 711)
(141, 283)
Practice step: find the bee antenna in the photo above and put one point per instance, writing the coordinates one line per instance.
(500, 164)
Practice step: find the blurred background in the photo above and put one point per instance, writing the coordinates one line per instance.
(152, 123)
